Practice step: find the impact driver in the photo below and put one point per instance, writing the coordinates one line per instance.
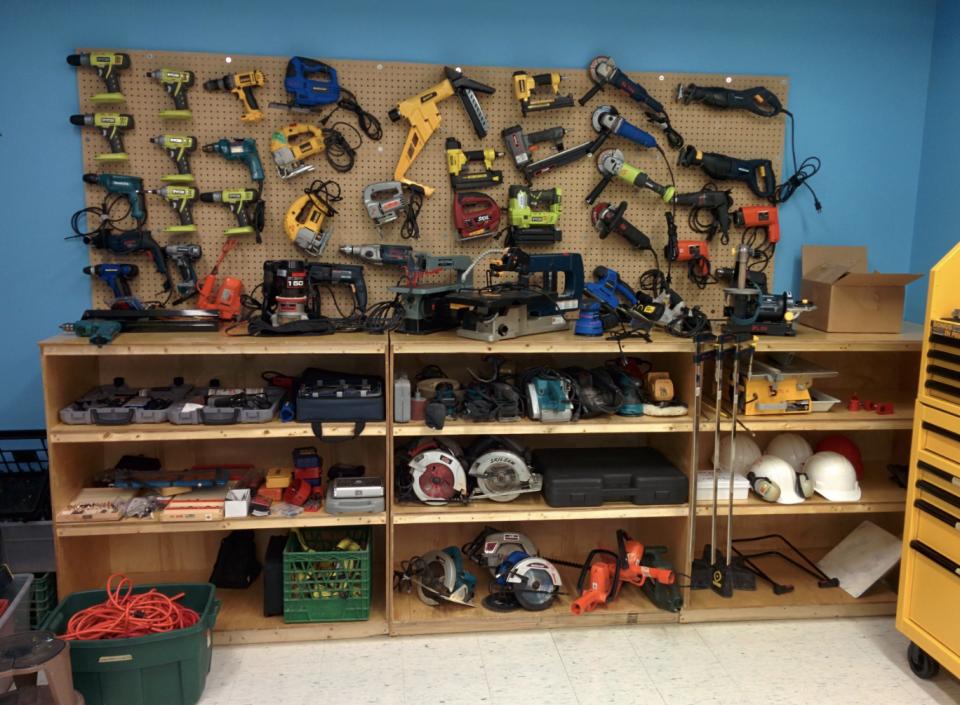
(178, 148)
(180, 199)
(111, 126)
(108, 66)
(175, 83)
(184, 256)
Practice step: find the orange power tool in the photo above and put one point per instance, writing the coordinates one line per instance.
(604, 577)
(631, 553)
(760, 217)
(227, 300)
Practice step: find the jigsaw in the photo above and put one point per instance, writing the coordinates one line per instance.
(476, 215)
(305, 217)
(310, 85)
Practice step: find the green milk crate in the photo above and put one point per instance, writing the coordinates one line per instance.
(324, 583)
(160, 669)
(43, 597)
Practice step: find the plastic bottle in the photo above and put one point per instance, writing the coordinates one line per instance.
(417, 406)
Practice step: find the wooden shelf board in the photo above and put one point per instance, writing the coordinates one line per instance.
(877, 494)
(837, 419)
(604, 424)
(806, 601)
(66, 433)
(910, 338)
(155, 526)
(217, 344)
(528, 507)
(411, 616)
(563, 341)
(241, 619)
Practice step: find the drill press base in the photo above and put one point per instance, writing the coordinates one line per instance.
(513, 323)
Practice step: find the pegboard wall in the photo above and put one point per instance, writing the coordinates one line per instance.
(379, 87)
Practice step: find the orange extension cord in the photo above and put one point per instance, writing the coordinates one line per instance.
(124, 616)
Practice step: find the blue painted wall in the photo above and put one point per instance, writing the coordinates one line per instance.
(859, 71)
(936, 230)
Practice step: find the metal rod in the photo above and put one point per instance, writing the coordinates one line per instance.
(733, 441)
(695, 446)
(718, 397)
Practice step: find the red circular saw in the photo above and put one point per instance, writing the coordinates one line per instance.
(438, 475)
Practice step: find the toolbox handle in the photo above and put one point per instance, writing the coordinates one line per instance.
(219, 422)
(941, 494)
(943, 475)
(358, 427)
(935, 556)
(943, 340)
(927, 426)
(935, 511)
(212, 616)
(121, 420)
(942, 387)
(944, 356)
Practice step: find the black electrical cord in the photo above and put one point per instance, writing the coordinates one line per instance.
(411, 228)
(663, 122)
(763, 251)
(383, 316)
(698, 272)
(807, 170)
(258, 216)
(337, 147)
(708, 228)
(367, 121)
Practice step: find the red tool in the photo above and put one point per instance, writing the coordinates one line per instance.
(604, 575)
(634, 366)
(854, 404)
(885, 408)
(227, 300)
(297, 493)
(870, 405)
(760, 217)
(631, 553)
(695, 249)
(482, 218)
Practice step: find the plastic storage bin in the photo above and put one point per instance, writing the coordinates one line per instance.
(28, 547)
(161, 669)
(325, 584)
(43, 598)
(118, 404)
(24, 476)
(187, 412)
(17, 616)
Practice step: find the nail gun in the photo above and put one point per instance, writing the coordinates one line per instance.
(525, 87)
(475, 215)
(611, 163)
(756, 173)
(457, 159)
(521, 146)
(529, 226)
(305, 217)
(424, 117)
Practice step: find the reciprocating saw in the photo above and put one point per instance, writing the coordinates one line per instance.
(424, 117)
(756, 173)
(111, 126)
(758, 101)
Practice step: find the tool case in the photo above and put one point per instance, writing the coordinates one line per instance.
(214, 405)
(325, 395)
(588, 477)
(118, 404)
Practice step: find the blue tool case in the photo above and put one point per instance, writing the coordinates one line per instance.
(325, 395)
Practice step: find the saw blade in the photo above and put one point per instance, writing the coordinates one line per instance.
(598, 212)
(536, 593)
(430, 585)
(592, 70)
(437, 482)
(500, 482)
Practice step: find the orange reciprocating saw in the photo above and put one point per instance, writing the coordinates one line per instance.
(421, 110)
(604, 579)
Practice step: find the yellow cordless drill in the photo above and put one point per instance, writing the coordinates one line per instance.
(241, 85)
(108, 65)
(176, 84)
(237, 200)
(111, 125)
(525, 86)
(457, 159)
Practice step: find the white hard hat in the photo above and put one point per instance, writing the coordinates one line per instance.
(792, 448)
(747, 453)
(833, 476)
(779, 473)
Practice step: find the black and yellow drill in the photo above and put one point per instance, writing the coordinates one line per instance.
(178, 148)
(525, 89)
(457, 159)
(181, 199)
(237, 200)
(108, 65)
(176, 84)
(111, 126)
(241, 85)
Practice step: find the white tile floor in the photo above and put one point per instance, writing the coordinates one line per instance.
(842, 661)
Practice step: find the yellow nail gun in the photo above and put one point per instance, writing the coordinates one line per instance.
(424, 117)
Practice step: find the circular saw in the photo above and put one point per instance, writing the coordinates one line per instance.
(501, 470)
(491, 547)
(443, 578)
(437, 474)
(523, 581)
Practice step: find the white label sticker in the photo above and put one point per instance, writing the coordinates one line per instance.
(570, 305)
(115, 659)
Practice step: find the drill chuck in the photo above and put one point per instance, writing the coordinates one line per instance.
(211, 197)
(215, 84)
(210, 147)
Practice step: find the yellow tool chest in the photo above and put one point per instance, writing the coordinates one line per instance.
(928, 606)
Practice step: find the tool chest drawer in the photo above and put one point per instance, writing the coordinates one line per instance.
(941, 377)
(938, 527)
(939, 433)
(934, 594)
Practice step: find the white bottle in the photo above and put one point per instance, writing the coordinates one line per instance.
(401, 398)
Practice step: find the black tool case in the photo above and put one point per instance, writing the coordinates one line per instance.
(324, 395)
(588, 477)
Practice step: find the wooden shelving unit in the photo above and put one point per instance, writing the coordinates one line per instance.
(884, 368)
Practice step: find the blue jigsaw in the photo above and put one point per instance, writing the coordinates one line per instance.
(310, 85)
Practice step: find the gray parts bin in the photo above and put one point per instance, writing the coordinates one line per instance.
(187, 412)
(355, 505)
(118, 404)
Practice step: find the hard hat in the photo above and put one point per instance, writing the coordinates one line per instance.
(792, 448)
(833, 477)
(780, 476)
(747, 453)
(845, 447)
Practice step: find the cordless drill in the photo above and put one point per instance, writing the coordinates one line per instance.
(178, 148)
(108, 66)
(176, 84)
(180, 199)
(241, 85)
(243, 149)
(184, 256)
(111, 126)
(117, 277)
(237, 200)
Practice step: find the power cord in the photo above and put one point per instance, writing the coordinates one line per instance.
(806, 171)
(367, 121)
(336, 146)
(258, 217)
(663, 122)
(411, 228)
(383, 316)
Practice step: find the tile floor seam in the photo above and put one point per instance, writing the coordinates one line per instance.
(556, 648)
(403, 672)
(483, 665)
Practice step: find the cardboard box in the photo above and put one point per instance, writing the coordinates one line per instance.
(849, 298)
(238, 503)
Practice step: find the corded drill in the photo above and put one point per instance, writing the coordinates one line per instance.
(184, 256)
(243, 149)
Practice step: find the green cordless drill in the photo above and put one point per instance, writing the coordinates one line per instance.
(179, 148)
(180, 199)
(176, 84)
(237, 200)
(111, 125)
(108, 65)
